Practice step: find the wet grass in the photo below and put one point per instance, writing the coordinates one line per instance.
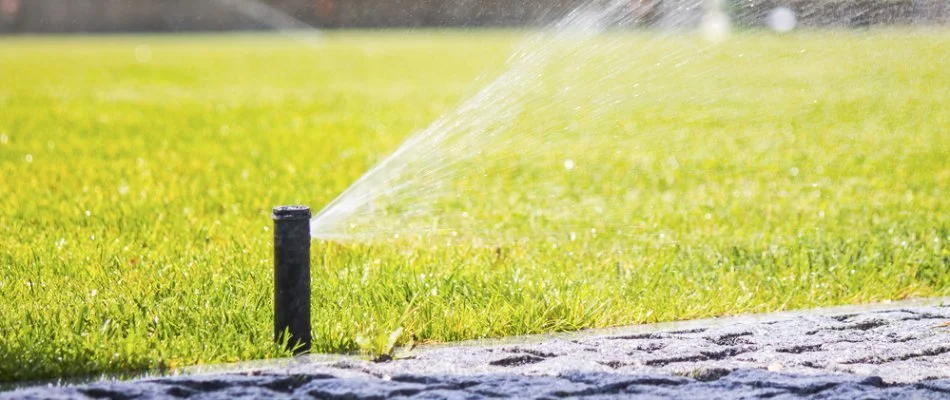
(137, 176)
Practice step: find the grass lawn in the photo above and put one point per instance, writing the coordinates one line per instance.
(137, 175)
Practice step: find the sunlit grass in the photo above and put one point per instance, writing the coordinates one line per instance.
(137, 175)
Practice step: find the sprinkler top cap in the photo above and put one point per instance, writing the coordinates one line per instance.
(284, 213)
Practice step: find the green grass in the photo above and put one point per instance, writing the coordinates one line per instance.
(137, 235)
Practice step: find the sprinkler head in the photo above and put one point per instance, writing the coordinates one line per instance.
(292, 277)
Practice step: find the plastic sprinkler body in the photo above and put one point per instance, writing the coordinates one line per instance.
(292, 277)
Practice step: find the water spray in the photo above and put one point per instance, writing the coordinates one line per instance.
(715, 23)
(292, 277)
(274, 18)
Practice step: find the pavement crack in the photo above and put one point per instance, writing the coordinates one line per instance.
(437, 383)
(403, 392)
(102, 393)
(704, 355)
(877, 360)
(845, 340)
(875, 381)
(650, 347)
(536, 353)
(904, 339)
(516, 361)
(688, 331)
(798, 349)
(640, 336)
(873, 360)
(812, 364)
(420, 379)
(726, 353)
(933, 351)
(730, 339)
(806, 390)
(181, 392)
(620, 387)
(926, 385)
(613, 364)
(920, 315)
(706, 374)
(811, 390)
(290, 383)
(659, 362)
(860, 326)
(843, 317)
(203, 385)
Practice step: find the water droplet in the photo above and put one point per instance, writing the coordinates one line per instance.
(716, 26)
(782, 19)
(569, 164)
(28, 158)
(793, 171)
(88, 213)
(4, 139)
(573, 236)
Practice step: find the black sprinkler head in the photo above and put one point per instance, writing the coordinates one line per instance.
(292, 277)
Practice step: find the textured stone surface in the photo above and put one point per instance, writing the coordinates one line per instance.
(901, 351)
(900, 345)
(746, 383)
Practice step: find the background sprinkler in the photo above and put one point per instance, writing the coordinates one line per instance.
(292, 277)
